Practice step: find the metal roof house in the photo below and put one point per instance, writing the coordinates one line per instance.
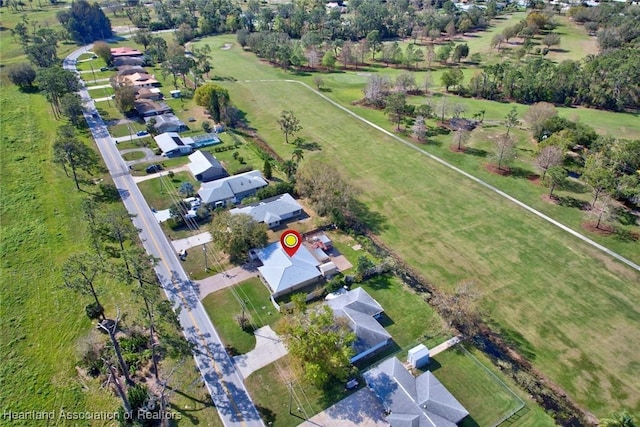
(361, 312)
(272, 211)
(173, 145)
(284, 274)
(413, 401)
(205, 167)
(231, 190)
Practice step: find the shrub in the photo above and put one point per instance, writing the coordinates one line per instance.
(94, 310)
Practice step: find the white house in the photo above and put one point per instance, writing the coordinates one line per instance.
(284, 274)
(205, 167)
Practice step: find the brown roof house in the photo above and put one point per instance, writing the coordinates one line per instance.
(117, 52)
(148, 108)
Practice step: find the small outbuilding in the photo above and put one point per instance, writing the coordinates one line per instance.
(418, 356)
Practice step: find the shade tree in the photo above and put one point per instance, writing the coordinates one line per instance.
(236, 234)
(505, 150)
(549, 156)
(289, 124)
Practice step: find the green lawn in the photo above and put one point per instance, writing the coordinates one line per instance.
(407, 317)
(284, 401)
(162, 192)
(223, 306)
(532, 277)
(487, 398)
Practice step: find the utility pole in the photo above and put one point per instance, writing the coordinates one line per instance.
(204, 250)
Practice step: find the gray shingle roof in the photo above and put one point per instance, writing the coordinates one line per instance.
(227, 188)
(271, 209)
(424, 399)
(360, 308)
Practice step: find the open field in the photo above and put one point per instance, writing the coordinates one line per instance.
(162, 192)
(531, 275)
(223, 306)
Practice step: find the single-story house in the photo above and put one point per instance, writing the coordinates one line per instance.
(168, 122)
(284, 274)
(138, 80)
(124, 51)
(205, 167)
(128, 60)
(413, 401)
(231, 190)
(272, 211)
(172, 145)
(152, 93)
(126, 70)
(361, 312)
(148, 108)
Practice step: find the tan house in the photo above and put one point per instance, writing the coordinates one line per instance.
(138, 80)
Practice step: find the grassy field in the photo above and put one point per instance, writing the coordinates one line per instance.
(532, 276)
(160, 193)
(223, 306)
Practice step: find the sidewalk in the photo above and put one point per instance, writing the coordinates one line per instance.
(445, 345)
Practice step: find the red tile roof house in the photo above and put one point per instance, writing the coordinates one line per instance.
(117, 52)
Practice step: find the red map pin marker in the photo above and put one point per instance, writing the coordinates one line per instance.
(290, 241)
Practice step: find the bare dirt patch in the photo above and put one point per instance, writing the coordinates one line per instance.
(455, 149)
(491, 168)
(534, 179)
(603, 229)
(550, 199)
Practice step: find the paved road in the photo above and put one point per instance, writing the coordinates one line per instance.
(218, 371)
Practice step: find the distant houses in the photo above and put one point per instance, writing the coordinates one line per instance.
(421, 401)
(205, 167)
(118, 52)
(231, 190)
(272, 211)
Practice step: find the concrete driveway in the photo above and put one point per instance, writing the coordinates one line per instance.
(268, 349)
(226, 279)
(361, 409)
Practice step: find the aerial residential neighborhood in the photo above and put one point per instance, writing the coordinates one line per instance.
(348, 213)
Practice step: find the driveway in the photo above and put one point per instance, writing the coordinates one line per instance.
(361, 409)
(192, 241)
(269, 348)
(137, 179)
(149, 156)
(226, 279)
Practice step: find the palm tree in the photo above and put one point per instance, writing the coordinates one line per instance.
(618, 419)
(297, 155)
(289, 167)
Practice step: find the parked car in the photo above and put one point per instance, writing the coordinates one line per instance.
(142, 133)
(153, 168)
(104, 69)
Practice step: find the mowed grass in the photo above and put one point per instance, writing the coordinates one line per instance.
(223, 306)
(285, 402)
(564, 297)
(487, 399)
(161, 192)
